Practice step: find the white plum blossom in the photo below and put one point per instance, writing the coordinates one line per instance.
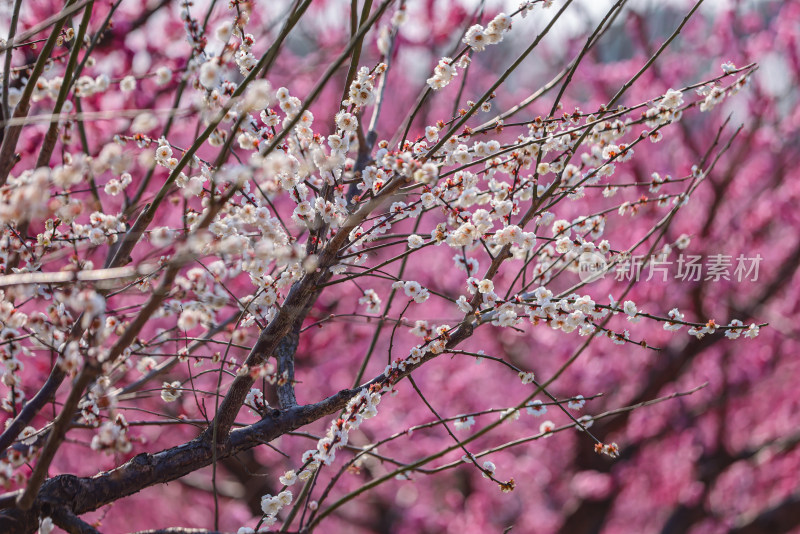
(170, 391)
(413, 290)
(488, 468)
(475, 38)
(629, 307)
(415, 241)
(584, 422)
(547, 428)
(672, 99)
(536, 408)
(209, 74)
(464, 422)
(371, 300)
(675, 315)
(485, 286)
(288, 478)
(128, 84)
(527, 378)
(443, 74)
(163, 75)
(577, 402)
(752, 331)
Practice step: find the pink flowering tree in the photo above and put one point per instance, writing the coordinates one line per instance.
(399, 267)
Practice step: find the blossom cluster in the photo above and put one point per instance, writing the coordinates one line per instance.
(241, 208)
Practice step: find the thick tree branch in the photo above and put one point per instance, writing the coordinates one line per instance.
(88, 373)
(85, 494)
(285, 356)
(72, 523)
(51, 137)
(32, 407)
(11, 134)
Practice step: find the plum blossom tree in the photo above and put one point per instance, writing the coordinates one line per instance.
(324, 266)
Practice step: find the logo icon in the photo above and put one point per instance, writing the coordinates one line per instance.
(591, 267)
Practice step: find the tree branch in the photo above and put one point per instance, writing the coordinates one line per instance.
(85, 494)
(72, 523)
(285, 356)
(12, 133)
